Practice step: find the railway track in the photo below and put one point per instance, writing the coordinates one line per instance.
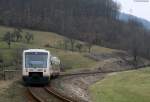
(47, 94)
(83, 73)
(88, 73)
(34, 95)
(98, 72)
(44, 94)
(59, 95)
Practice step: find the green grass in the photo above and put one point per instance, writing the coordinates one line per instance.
(130, 86)
(99, 49)
(72, 60)
(14, 92)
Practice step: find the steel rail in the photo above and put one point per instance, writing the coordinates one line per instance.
(59, 95)
(100, 71)
(37, 98)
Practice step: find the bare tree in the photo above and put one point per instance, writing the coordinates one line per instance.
(89, 46)
(79, 46)
(72, 43)
(29, 36)
(135, 51)
(17, 34)
(17, 56)
(1, 61)
(65, 43)
(89, 41)
(8, 38)
(136, 42)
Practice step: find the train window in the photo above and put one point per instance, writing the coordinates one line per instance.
(36, 60)
(55, 60)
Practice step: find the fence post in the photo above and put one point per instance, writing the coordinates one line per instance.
(4, 75)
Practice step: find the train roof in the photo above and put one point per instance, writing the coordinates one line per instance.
(36, 50)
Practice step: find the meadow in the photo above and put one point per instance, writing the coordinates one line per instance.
(129, 86)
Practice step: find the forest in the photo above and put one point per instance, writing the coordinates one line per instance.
(92, 21)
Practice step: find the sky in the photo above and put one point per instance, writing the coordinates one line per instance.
(139, 9)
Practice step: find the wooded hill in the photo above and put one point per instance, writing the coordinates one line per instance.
(93, 21)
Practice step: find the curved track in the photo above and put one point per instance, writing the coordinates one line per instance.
(34, 95)
(84, 73)
(100, 71)
(59, 95)
(47, 94)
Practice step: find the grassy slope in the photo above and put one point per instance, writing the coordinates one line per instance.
(130, 86)
(72, 59)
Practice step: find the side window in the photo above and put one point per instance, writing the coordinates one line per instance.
(55, 60)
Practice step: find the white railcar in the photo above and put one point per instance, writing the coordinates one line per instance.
(37, 66)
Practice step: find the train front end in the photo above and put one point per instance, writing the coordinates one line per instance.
(36, 67)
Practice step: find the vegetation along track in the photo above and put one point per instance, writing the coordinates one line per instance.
(47, 94)
(63, 74)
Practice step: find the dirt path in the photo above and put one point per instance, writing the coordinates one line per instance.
(76, 86)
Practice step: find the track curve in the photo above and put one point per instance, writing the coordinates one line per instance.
(34, 95)
(59, 95)
(45, 94)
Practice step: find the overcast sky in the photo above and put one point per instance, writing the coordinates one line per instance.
(140, 9)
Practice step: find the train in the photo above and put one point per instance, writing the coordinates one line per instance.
(39, 66)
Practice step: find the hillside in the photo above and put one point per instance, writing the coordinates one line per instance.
(126, 17)
(130, 86)
(100, 58)
(70, 60)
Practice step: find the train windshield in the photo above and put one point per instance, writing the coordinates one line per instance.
(36, 59)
